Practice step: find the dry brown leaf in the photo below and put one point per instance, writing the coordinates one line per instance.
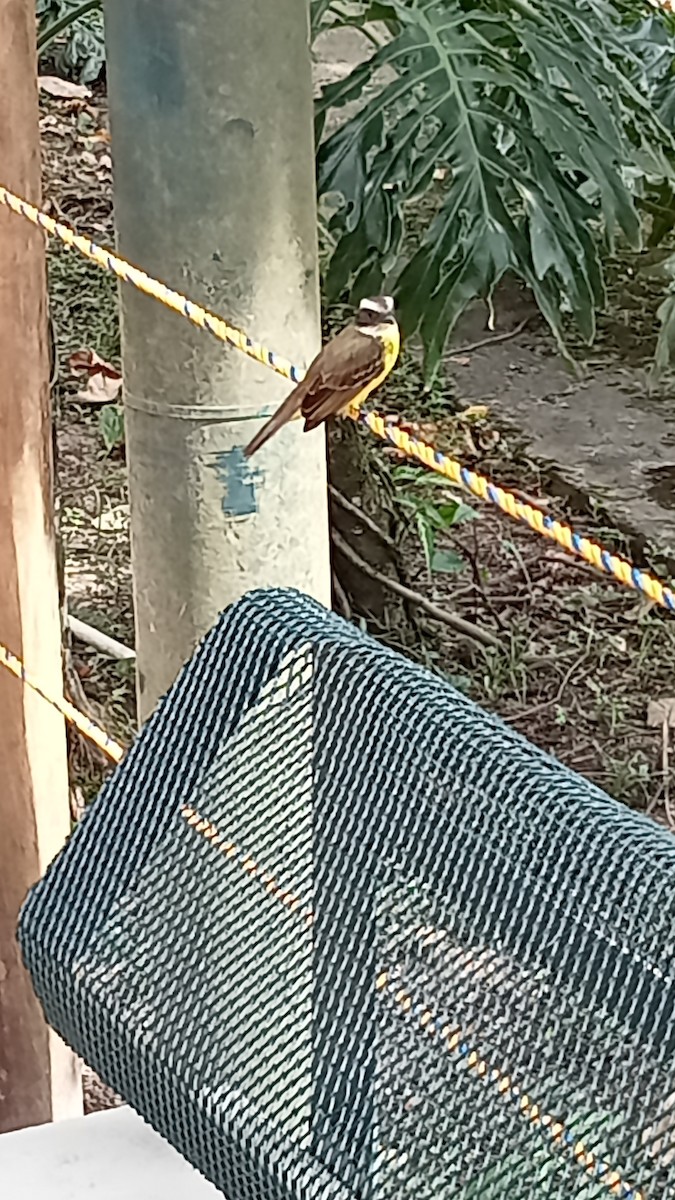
(544, 503)
(637, 612)
(470, 444)
(104, 382)
(88, 362)
(101, 389)
(62, 88)
(661, 712)
(475, 412)
(114, 519)
(78, 804)
(488, 439)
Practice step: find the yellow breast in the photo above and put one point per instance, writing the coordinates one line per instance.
(391, 342)
(389, 337)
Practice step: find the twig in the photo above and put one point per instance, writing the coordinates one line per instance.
(467, 628)
(341, 598)
(100, 641)
(523, 566)
(665, 733)
(490, 341)
(573, 670)
(570, 561)
(363, 517)
(478, 583)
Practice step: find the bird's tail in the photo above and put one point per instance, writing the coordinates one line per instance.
(285, 413)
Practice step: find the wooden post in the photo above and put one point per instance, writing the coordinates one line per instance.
(39, 1078)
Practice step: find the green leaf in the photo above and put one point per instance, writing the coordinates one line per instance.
(665, 344)
(447, 562)
(524, 105)
(456, 513)
(72, 31)
(319, 9)
(661, 207)
(64, 22)
(111, 424)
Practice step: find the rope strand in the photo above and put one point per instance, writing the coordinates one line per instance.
(620, 569)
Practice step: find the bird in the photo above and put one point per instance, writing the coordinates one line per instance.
(345, 371)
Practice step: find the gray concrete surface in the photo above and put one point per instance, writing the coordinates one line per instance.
(107, 1156)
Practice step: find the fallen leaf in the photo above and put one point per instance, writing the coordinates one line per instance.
(115, 519)
(475, 412)
(661, 712)
(104, 380)
(544, 503)
(100, 389)
(62, 88)
(488, 439)
(470, 444)
(78, 804)
(640, 609)
(88, 362)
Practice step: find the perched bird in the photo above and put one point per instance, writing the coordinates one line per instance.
(345, 371)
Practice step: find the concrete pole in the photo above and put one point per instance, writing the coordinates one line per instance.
(39, 1078)
(211, 118)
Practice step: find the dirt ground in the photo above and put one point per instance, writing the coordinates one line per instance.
(579, 658)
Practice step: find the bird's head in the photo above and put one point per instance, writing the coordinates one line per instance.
(376, 310)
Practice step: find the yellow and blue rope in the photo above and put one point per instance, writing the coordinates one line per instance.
(560, 1135)
(620, 568)
(450, 1037)
(595, 554)
(87, 728)
(592, 552)
(150, 287)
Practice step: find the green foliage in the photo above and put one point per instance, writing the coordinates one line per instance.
(540, 115)
(433, 511)
(552, 125)
(111, 425)
(71, 31)
(319, 11)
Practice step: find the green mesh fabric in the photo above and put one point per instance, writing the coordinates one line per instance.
(336, 932)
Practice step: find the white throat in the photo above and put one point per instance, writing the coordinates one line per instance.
(374, 331)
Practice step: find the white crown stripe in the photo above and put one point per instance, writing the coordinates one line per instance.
(378, 304)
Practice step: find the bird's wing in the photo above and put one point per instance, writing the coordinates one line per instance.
(340, 371)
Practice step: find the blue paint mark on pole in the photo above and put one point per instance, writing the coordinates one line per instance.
(238, 481)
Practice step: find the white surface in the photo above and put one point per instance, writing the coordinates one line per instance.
(107, 1156)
